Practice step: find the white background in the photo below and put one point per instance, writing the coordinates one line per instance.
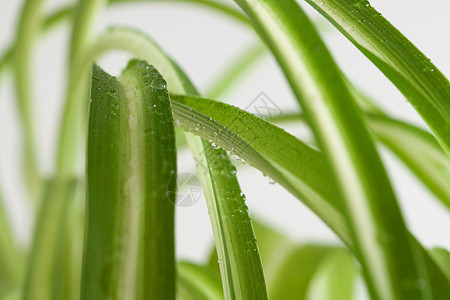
(204, 43)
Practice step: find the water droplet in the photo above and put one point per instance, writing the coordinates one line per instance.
(159, 84)
(271, 181)
(214, 145)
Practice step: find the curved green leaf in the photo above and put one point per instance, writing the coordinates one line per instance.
(415, 147)
(47, 274)
(301, 169)
(442, 257)
(415, 76)
(241, 269)
(10, 258)
(295, 272)
(28, 28)
(390, 262)
(335, 278)
(235, 71)
(196, 282)
(131, 163)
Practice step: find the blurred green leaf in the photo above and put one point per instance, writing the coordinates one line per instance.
(196, 282)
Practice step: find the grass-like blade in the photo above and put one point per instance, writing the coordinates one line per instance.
(410, 70)
(47, 276)
(301, 169)
(370, 206)
(242, 272)
(418, 150)
(295, 271)
(233, 73)
(28, 28)
(10, 258)
(416, 147)
(335, 278)
(131, 163)
(442, 257)
(196, 282)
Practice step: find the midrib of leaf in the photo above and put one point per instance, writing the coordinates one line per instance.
(409, 69)
(132, 225)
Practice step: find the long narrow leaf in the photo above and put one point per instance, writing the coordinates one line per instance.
(335, 278)
(131, 161)
(241, 269)
(409, 69)
(10, 258)
(196, 282)
(301, 170)
(29, 24)
(415, 147)
(44, 279)
(370, 205)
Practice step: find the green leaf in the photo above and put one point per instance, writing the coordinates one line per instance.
(234, 73)
(47, 276)
(239, 279)
(417, 148)
(410, 70)
(377, 228)
(28, 28)
(335, 278)
(299, 168)
(10, 258)
(196, 282)
(294, 273)
(442, 257)
(131, 163)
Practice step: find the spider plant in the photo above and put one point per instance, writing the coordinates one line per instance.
(108, 233)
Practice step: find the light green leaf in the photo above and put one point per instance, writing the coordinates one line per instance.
(410, 70)
(47, 276)
(10, 258)
(335, 278)
(196, 282)
(389, 260)
(300, 169)
(234, 73)
(239, 279)
(131, 164)
(417, 148)
(28, 28)
(442, 257)
(295, 271)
